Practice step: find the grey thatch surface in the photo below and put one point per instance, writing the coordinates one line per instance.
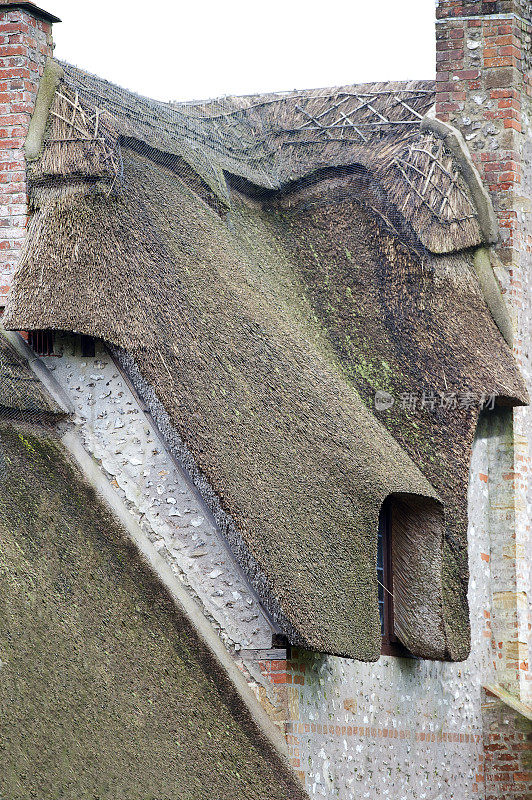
(265, 333)
(106, 689)
(270, 141)
(21, 394)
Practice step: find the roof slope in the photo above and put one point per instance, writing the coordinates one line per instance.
(159, 274)
(266, 290)
(106, 689)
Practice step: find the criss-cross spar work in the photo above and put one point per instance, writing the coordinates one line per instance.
(367, 117)
(85, 125)
(269, 142)
(429, 170)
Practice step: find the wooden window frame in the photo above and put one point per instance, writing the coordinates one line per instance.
(42, 342)
(391, 646)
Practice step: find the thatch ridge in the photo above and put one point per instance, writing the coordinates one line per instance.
(273, 140)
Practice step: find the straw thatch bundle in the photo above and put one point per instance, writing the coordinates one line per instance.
(81, 142)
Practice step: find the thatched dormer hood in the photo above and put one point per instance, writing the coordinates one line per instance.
(269, 264)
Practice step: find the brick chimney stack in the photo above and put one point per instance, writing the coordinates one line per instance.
(484, 89)
(25, 43)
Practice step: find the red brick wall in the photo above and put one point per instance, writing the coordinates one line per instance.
(24, 44)
(284, 675)
(475, 8)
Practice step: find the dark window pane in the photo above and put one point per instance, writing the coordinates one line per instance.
(88, 349)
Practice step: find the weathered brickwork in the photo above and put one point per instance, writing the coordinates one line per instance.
(509, 601)
(475, 8)
(508, 751)
(484, 87)
(25, 41)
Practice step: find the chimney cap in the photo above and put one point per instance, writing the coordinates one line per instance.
(32, 8)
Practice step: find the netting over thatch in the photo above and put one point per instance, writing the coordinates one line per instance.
(265, 332)
(83, 140)
(270, 141)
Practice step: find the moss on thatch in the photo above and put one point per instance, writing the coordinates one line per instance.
(407, 324)
(265, 336)
(106, 690)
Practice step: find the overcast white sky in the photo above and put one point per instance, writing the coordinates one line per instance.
(188, 49)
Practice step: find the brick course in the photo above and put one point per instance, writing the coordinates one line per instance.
(447, 9)
(508, 751)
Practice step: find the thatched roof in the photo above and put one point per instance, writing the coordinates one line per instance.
(265, 321)
(106, 690)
